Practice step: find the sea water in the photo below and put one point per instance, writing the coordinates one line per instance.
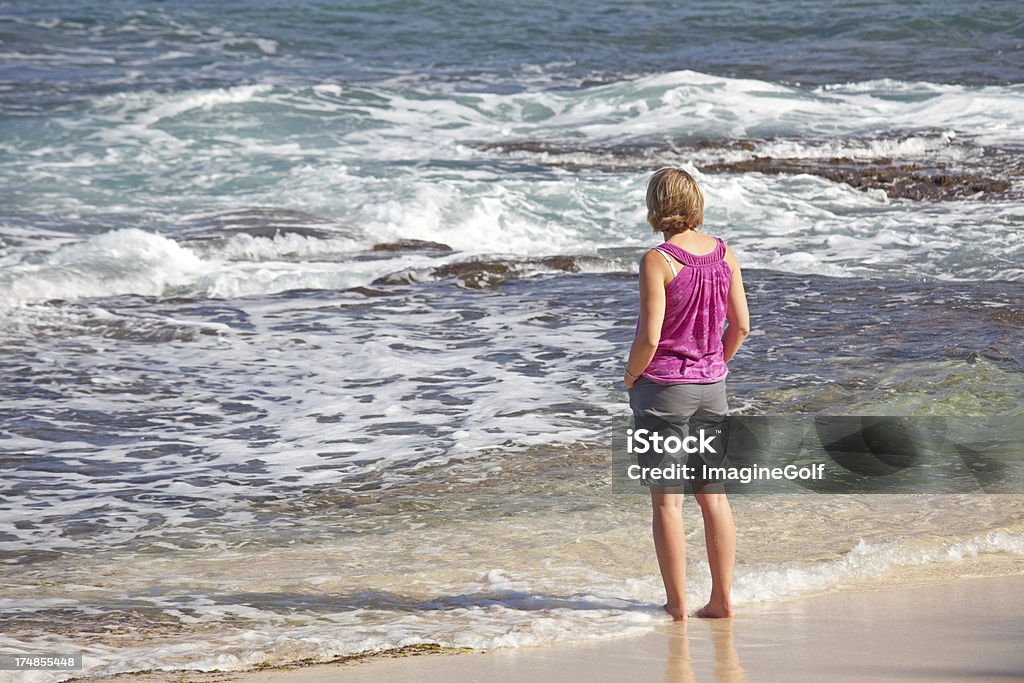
(241, 425)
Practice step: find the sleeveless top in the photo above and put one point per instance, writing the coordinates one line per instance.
(696, 301)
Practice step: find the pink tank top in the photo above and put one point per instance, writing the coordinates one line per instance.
(696, 301)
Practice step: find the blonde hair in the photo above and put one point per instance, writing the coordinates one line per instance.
(674, 201)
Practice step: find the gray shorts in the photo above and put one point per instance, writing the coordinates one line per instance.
(677, 400)
(679, 410)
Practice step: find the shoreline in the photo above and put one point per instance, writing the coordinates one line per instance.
(193, 675)
(959, 629)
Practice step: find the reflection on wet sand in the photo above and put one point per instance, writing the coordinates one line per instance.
(679, 664)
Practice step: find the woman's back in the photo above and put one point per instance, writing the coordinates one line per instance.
(696, 303)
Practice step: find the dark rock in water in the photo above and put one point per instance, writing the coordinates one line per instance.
(629, 151)
(482, 274)
(569, 264)
(577, 157)
(905, 180)
(929, 177)
(744, 144)
(367, 291)
(477, 274)
(412, 245)
(1007, 315)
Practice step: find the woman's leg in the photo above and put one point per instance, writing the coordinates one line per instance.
(719, 527)
(720, 538)
(670, 546)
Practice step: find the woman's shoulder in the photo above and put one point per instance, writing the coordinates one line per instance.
(720, 241)
(728, 255)
(722, 247)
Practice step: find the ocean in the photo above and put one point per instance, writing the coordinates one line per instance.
(313, 316)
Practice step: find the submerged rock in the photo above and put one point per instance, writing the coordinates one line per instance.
(899, 180)
(482, 274)
(926, 177)
(411, 245)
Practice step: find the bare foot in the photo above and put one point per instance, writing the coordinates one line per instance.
(710, 611)
(677, 613)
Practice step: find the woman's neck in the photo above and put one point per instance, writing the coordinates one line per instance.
(668, 236)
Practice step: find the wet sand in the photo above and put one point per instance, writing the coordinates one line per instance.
(967, 629)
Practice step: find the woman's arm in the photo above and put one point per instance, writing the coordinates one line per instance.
(653, 271)
(737, 315)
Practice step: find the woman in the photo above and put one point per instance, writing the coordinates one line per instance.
(690, 286)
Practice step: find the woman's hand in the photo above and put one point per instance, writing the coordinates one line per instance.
(628, 380)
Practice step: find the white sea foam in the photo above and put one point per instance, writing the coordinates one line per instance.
(794, 223)
(344, 152)
(245, 247)
(148, 108)
(688, 104)
(128, 261)
(867, 561)
(132, 261)
(941, 142)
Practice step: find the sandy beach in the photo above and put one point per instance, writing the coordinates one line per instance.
(969, 629)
